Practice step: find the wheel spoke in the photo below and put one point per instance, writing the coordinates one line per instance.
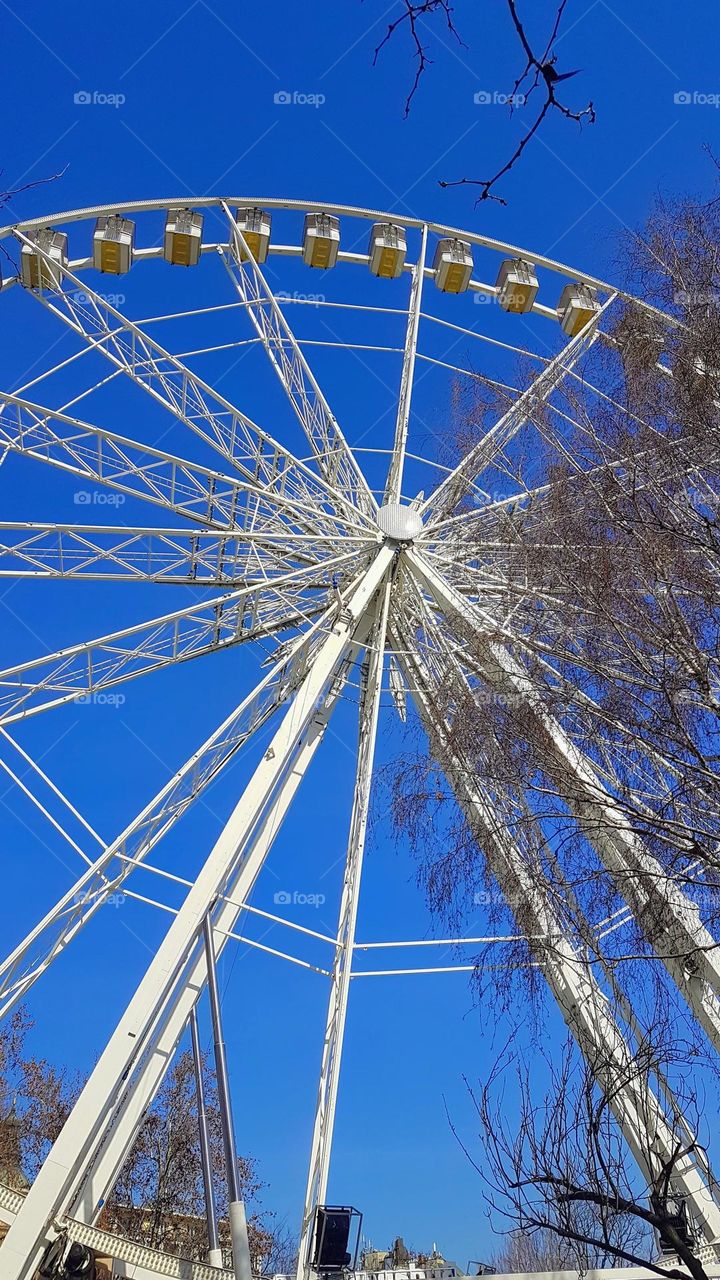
(336, 461)
(97, 665)
(456, 486)
(256, 455)
(393, 484)
(173, 483)
(178, 556)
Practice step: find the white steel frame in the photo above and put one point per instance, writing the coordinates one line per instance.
(296, 549)
(584, 1005)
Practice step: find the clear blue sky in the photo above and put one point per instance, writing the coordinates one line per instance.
(199, 116)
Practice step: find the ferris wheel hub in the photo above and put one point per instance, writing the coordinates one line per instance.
(399, 522)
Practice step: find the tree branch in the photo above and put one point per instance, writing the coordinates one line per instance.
(414, 10)
(545, 72)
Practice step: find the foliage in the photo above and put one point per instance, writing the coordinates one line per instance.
(158, 1198)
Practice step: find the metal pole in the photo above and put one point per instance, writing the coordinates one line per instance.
(650, 1132)
(214, 1250)
(236, 1208)
(393, 484)
(323, 1130)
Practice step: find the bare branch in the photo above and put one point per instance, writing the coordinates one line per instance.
(546, 73)
(540, 67)
(413, 12)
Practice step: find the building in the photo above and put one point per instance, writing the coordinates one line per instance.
(397, 1263)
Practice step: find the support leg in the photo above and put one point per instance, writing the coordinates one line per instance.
(173, 1018)
(214, 1250)
(651, 1137)
(84, 1133)
(340, 983)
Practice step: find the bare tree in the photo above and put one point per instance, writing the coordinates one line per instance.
(159, 1195)
(35, 1100)
(281, 1257)
(158, 1198)
(538, 1250)
(560, 1172)
(601, 578)
(12, 1038)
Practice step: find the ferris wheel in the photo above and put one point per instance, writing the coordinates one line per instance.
(351, 563)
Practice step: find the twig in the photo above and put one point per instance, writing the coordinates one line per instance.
(7, 196)
(540, 69)
(543, 71)
(413, 11)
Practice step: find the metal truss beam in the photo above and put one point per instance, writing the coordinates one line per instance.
(108, 873)
(256, 454)
(393, 485)
(174, 1017)
(179, 486)
(335, 460)
(85, 1133)
(456, 486)
(178, 556)
(582, 1002)
(457, 531)
(321, 1147)
(89, 668)
(669, 919)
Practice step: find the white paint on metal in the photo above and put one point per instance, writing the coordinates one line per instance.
(398, 522)
(278, 528)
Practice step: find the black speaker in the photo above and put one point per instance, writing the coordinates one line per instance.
(678, 1220)
(332, 1234)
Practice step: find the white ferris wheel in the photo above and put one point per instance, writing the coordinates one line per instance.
(352, 562)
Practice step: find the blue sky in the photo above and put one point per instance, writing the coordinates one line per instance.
(199, 116)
